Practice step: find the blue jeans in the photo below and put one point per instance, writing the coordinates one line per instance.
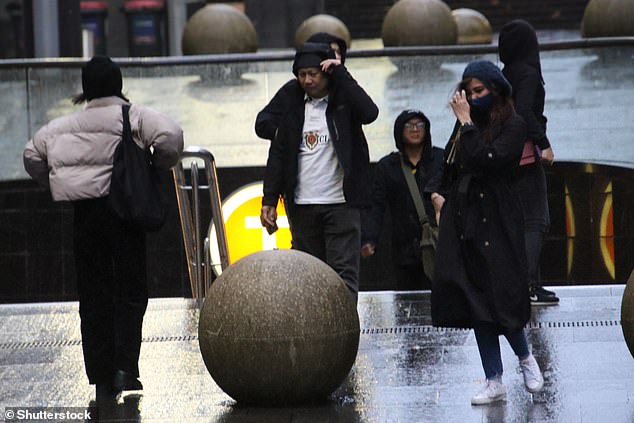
(488, 338)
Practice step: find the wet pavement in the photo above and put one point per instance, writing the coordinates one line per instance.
(405, 371)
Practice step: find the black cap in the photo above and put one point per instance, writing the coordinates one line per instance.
(101, 77)
(310, 55)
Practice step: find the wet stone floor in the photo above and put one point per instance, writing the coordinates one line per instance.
(405, 371)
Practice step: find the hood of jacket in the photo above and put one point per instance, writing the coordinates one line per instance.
(399, 123)
(326, 38)
(518, 43)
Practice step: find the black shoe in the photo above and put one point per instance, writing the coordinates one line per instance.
(538, 297)
(544, 291)
(124, 381)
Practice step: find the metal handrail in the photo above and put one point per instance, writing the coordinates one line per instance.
(196, 247)
(288, 54)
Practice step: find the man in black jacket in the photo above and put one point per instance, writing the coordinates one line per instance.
(319, 161)
(268, 119)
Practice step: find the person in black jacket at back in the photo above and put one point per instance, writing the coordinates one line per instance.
(268, 119)
(412, 135)
(519, 51)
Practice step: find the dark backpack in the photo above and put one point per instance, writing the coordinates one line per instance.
(135, 197)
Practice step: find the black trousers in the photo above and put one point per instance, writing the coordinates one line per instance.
(533, 240)
(332, 233)
(112, 286)
(411, 277)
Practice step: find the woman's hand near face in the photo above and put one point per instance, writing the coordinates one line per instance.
(460, 106)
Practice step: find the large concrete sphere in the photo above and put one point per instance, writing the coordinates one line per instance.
(608, 18)
(322, 23)
(473, 27)
(419, 23)
(278, 327)
(218, 29)
(627, 314)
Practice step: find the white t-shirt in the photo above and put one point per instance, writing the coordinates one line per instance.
(319, 176)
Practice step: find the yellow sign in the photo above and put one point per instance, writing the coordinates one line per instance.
(245, 234)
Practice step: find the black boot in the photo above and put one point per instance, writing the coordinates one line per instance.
(124, 381)
(105, 392)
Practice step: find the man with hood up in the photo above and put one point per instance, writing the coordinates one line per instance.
(519, 51)
(268, 119)
(412, 136)
(319, 162)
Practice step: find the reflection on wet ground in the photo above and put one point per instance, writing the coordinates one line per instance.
(406, 370)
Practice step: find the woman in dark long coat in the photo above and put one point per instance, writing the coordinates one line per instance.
(481, 277)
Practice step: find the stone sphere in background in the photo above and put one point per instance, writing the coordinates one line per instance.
(322, 23)
(278, 327)
(218, 29)
(419, 23)
(608, 18)
(627, 314)
(473, 27)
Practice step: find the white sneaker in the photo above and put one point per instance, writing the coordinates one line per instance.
(533, 378)
(492, 392)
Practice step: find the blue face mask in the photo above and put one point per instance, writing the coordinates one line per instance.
(482, 104)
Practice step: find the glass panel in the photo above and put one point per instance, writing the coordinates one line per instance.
(13, 123)
(589, 98)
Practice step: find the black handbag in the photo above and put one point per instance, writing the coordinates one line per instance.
(135, 197)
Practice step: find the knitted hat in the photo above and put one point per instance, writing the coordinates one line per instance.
(310, 55)
(101, 77)
(326, 38)
(490, 75)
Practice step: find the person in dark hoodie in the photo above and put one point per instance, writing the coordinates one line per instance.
(519, 51)
(268, 119)
(412, 135)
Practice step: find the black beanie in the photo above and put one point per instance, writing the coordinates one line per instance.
(490, 75)
(101, 77)
(310, 55)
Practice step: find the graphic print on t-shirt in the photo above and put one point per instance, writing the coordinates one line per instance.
(313, 138)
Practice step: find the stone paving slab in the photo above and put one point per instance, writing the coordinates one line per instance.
(406, 370)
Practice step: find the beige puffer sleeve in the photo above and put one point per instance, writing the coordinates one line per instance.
(156, 130)
(35, 164)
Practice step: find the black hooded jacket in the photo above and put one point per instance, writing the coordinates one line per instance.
(389, 189)
(519, 51)
(269, 118)
(349, 107)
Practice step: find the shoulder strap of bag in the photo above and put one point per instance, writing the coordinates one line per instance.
(413, 190)
(127, 130)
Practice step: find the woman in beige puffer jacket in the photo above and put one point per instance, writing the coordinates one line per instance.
(73, 156)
